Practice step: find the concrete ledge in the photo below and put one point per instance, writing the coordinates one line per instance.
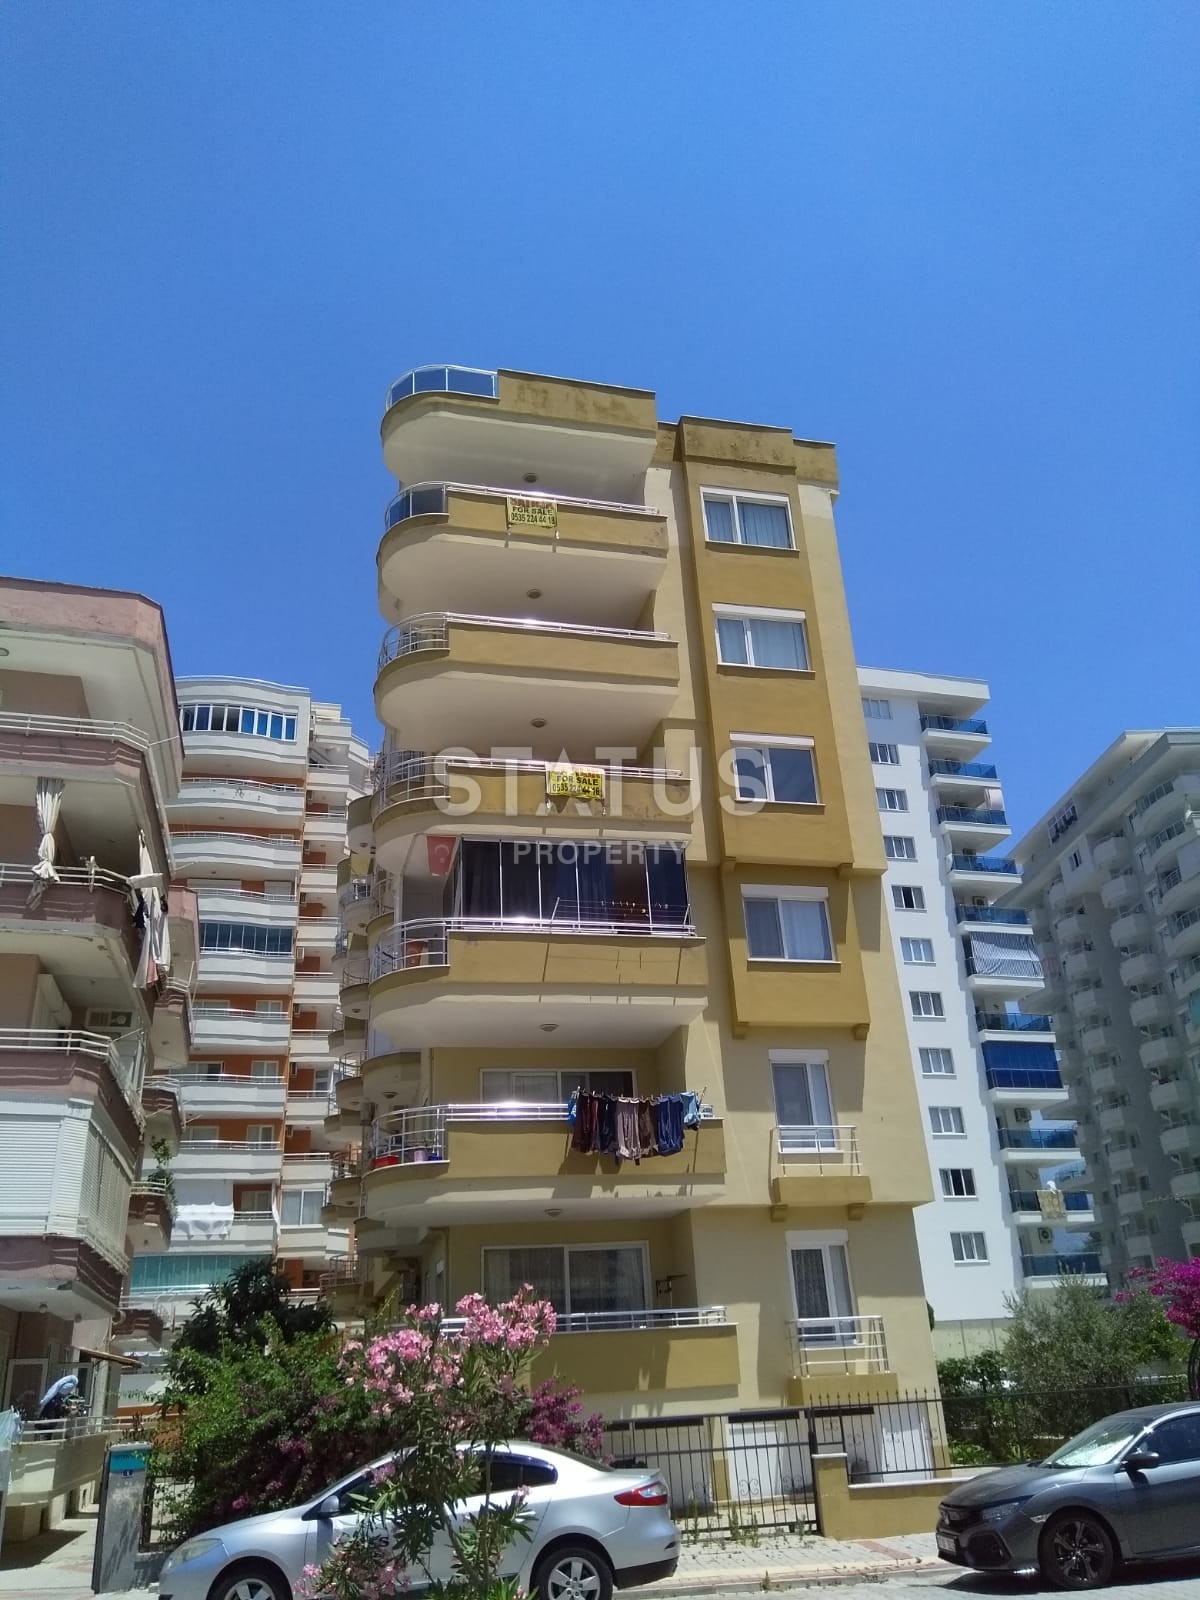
(873, 1510)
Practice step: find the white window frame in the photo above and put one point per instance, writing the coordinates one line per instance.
(965, 1173)
(818, 1137)
(259, 1211)
(947, 1133)
(908, 943)
(878, 710)
(763, 743)
(929, 1052)
(972, 1260)
(883, 753)
(566, 1249)
(891, 801)
(734, 497)
(824, 1241)
(565, 1079)
(918, 1012)
(264, 1070)
(302, 1192)
(914, 889)
(900, 838)
(730, 613)
(769, 891)
(269, 1136)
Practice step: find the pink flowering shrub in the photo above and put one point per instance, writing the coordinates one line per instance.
(1177, 1285)
(554, 1417)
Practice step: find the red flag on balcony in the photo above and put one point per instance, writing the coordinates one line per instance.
(440, 849)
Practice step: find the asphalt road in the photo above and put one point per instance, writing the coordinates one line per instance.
(1175, 1582)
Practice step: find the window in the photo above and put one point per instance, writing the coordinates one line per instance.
(821, 1286)
(936, 1062)
(501, 1473)
(884, 755)
(254, 1203)
(238, 719)
(261, 1134)
(197, 1071)
(908, 897)
(917, 952)
(783, 773)
(203, 1133)
(249, 937)
(301, 1208)
(958, 1183)
(269, 1008)
(569, 881)
(899, 847)
(892, 799)
(968, 1247)
(758, 638)
(739, 519)
(1176, 1439)
(1075, 860)
(171, 1272)
(925, 1003)
(881, 710)
(947, 1121)
(803, 1105)
(266, 1069)
(787, 925)
(574, 1278)
(546, 1087)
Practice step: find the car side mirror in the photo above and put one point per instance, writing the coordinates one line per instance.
(1140, 1460)
(331, 1506)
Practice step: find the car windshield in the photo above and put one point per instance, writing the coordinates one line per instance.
(1098, 1445)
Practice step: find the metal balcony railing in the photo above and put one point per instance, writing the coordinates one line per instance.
(834, 1145)
(419, 1134)
(277, 841)
(998, 914)
(996, 864)
(443, 380)
(973, 816)
(822, 1345)
(426, 499)
(936, 724)
(1054, 1266)
(625, 1321)
(982, 770)
(234, 786)
(1038, 1138)
(431, 631)
(416, 775)
(154, 1189)
(127, 1065)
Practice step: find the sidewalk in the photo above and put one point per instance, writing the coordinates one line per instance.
(58, 1565)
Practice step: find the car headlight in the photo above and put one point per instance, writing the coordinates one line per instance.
(1004, 1509)
(191, 1551)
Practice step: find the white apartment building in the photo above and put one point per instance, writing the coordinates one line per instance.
(1112, 886)
(987, 1077)
(258, 831)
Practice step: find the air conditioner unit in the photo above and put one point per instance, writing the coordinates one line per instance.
(1022, 1114)
(114, 1022)
(1045, 1235)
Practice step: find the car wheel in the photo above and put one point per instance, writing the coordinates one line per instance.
(573, 1572)
(1076, 1551)
(251, 1580)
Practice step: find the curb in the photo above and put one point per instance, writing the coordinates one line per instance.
(747, 1578)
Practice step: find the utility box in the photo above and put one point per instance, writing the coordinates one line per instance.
(119, 1528)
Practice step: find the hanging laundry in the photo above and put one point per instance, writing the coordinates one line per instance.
(629, 1127)
(669, 1118)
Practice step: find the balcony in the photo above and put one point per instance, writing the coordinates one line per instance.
(1026, 1207)
(1104, 1080)
(468, 981)
(307, 1108)
(1084, 1264)
(437, 1166)
(1022, 1024)
(250, 971)
(1172, 1094)
(1080, 964)
(1037, 1146)
(1024, 1086)
(1140, 968)
(233, 855)
(58, 1063)
(998, 915)
(974, 827)
(315, 1044)
(664, 1350)
(1001, 965)
(1122, 889)
(234, 802)
(392, 1078)
(161, 1109)
(992, 872)
(1112, 1119)
(1099, 1040)
(240, 1159)
(359, 900)
(252, 1231)
(1088, 1000)
(1131, 1202)
(317, 936)
(50, 1460)
(452, 795)
(80, 904)
(1112, 853)
(246, 905)
(1183, 934)
(955, 736)
(1180, 1138)
(1149, 1009)
(1186, 1185)
(831, 1349)
(480, 547)
(206, 1095)
(1132, 928)
(1164, 1051)
(950, 777)
(1124, 1158)
(483, 681)
(581, 438)
(314, 989)
(151, 1216)
(1191, 1234)
(217, 1026)
(815, 1166)
(1160, 805)
(355, 988)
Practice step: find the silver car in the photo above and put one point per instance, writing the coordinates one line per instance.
(591, 1529)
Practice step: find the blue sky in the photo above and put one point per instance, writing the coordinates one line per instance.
(960, 240)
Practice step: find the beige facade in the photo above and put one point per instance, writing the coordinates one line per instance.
(585, 598)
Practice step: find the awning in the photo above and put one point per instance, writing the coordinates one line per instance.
(129, 1362)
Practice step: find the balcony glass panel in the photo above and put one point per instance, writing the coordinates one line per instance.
(954, 725)
(964, 863)
(443, 380)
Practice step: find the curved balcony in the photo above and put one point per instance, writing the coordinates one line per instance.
(358, 902)
(470, 981)
(392, 1078)
(246, 905)
(1071, 927)
(516, 799)
(1141, 967)
(1080, 964)
(1111, 853)
(1148, 1009)
(1164, 1051)
(439, 1165)
(1100, 1039)
(1157, 807)
(245, 755)
(483, 681)
(231, 855)
(1122, 889)
(1183, 934)
(479, 546)
(441, 422)
(360, 825)
(1104, 1080)
(1130, 930)
(1181, 1137)
(78, 905)
(1088, 1000)
(236, 802)
(355, 988)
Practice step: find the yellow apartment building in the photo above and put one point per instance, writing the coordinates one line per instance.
(623, 850)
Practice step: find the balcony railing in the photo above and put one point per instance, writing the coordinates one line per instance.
(154, 1189)
(405, 1137)
(974, 816)
(234, 787)
(1038, 1138)
(218, 1008)
(1025, 969)
(278, 841)
(982, 770)
(935, 724)
(127, 1068)
(408, 775)
(1009, 919)
(426, 943)
(1051, 1266)
(996, 864)
(626, 1321)
(192, 1146)
(425, 499)
(431, 631)
(355, 972)
(836, 1141)
(822, 1345)
(1022, 1078)
(1012, 1022)
(443, 380)
(1027, 1200)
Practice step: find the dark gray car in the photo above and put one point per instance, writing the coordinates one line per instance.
(1125, 1489)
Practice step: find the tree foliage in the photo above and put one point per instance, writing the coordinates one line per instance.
(1074, 1337)
(252, 1306)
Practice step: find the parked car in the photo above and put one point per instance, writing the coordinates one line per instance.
(591, 1528)
(1125, 1489)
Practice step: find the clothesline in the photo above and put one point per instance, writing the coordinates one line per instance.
(629, 1127)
